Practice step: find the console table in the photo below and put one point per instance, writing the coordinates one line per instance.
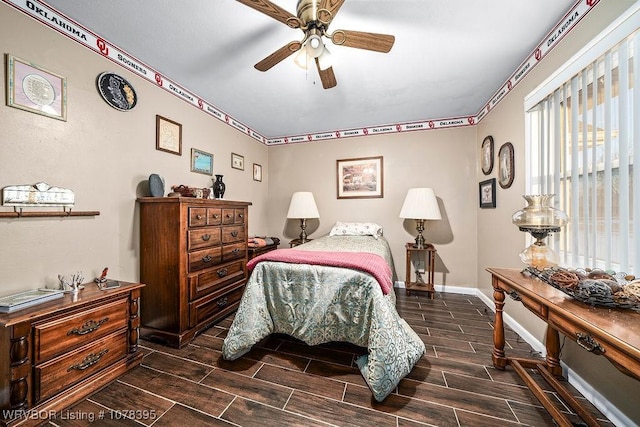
(612, 333)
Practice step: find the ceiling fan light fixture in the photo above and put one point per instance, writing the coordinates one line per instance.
(302, 59)
(314, 46)
(325, 61)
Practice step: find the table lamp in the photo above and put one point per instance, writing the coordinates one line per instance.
(420, 204)
(302, 207)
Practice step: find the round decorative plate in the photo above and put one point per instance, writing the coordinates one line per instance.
(116, 91)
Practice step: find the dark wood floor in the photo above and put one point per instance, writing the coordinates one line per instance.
(283, 382)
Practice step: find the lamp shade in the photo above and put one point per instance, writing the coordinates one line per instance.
(303, 206)
(420, 203)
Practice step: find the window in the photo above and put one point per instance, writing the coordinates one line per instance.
(582, 136)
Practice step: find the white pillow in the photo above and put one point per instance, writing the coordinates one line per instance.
(356, 229)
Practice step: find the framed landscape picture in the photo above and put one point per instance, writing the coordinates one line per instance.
(201, 162)
(360, 178)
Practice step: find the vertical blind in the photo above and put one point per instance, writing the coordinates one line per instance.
(582, 139)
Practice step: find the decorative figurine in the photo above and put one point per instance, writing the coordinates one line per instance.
(75, 285)
(103, 276)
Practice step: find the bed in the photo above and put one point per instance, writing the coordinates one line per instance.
(317, 303)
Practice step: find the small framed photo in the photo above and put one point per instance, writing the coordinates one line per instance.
(201, 162)
(257, 172)
(35, 89)
(360, 178)
(168, 136)
(486, 159)
(237, 161)
(488, 193)
(506, 165)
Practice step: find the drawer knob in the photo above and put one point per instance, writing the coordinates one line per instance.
(206, 237)
(198, 216)
(222, 302)
(223, 272)
(587, 342)
(88, 327)
(215, 216)
(88, 361)
(515, 296)
(241, 215)
(236, 251)
(207, 258)
(229, 216)
(234, 233)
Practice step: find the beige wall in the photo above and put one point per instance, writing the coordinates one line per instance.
(442, 159)
(499, 242)
(105, 156)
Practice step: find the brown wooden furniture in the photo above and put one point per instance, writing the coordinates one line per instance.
(429, 254)
(254, 252)
(193, 259)
(612, 333)
(58, 352)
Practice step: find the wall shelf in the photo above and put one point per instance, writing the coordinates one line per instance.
(43, 214)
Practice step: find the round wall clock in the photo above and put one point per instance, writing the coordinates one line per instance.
(116, 91)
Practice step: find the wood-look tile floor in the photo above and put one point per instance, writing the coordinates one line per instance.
(283, 382)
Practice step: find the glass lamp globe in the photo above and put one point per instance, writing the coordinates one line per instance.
(539, 219)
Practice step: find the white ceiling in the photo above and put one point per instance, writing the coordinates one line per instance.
(449, 57)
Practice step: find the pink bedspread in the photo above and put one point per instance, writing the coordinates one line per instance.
(362, 261)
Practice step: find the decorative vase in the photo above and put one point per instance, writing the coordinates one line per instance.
(218, 187)
(539, 219)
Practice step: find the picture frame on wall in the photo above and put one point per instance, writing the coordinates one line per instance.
(486, 155)
(360, 178)
(35, 89)
(487, 193)
(257, 172)
(237, 161)
(506, 171)
(201, 162)
(168, 136)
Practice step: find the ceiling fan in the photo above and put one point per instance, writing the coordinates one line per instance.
(313, 18)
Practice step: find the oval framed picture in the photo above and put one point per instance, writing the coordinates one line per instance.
(116, 91)
(506, 165)
(486, 159)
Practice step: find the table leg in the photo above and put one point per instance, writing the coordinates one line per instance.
(553, 351)
(498, 356)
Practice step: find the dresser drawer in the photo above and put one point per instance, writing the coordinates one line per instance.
(68, 369)
(197, 217)
(228, 216)
(214, 280)
(61, 335)
(204, 258)
(214, 216)
(204, 237)
(233, 234)
(215, 305)
(235, 251)
(239, 216)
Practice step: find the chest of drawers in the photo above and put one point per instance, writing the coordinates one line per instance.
(62, 350)
(193, 256)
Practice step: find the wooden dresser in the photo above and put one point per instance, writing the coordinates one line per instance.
(58, 352)
(193, 259)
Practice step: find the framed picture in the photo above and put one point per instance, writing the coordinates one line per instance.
(257, 172)
(201, 162)
(35, 89)
(237, 161)
(488, 193)
(360, 178)
(486, 159)
(168, 136)
(506, 165)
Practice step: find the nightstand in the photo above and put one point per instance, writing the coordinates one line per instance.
(296, 242)
(428, 253)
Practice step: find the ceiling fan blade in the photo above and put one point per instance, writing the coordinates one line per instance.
(277, 56)
(332, 6)
(327, 77)
(360, 40)
(274, 11)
